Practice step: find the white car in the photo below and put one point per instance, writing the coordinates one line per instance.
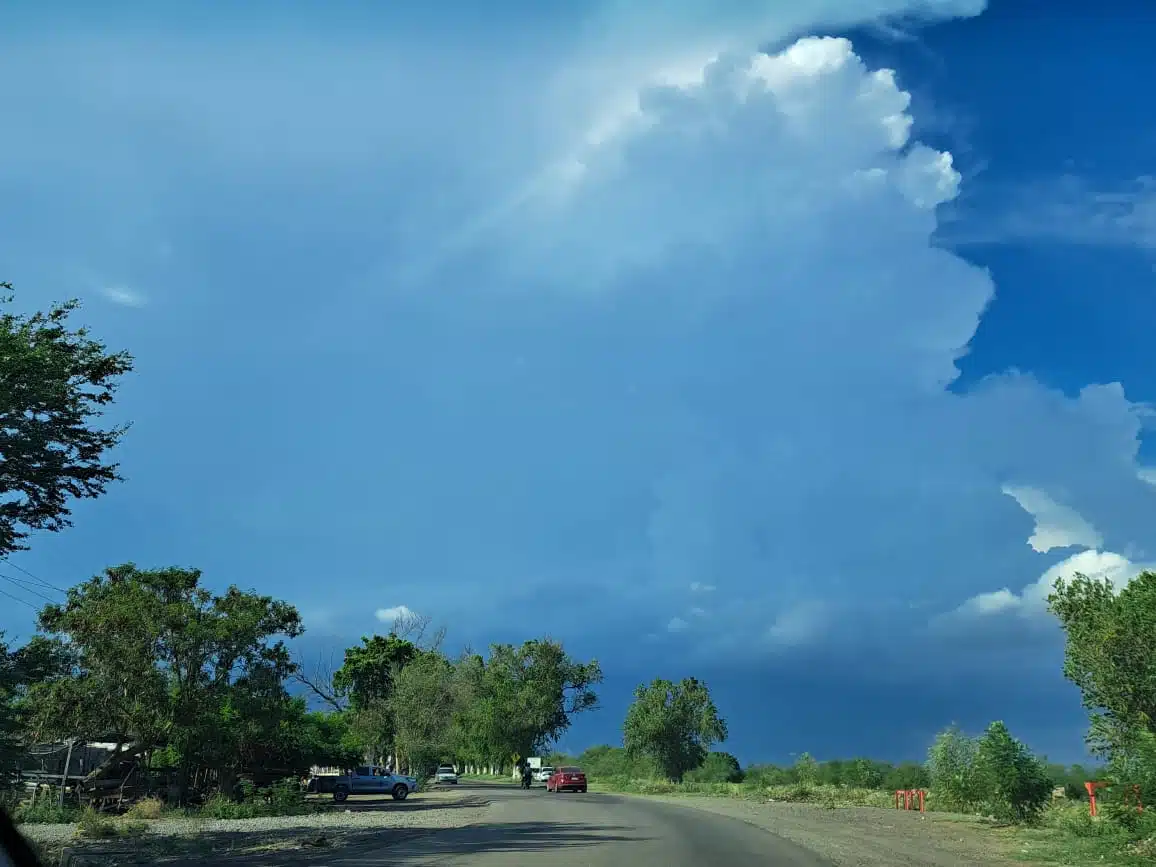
(543, 773)
(446, 774)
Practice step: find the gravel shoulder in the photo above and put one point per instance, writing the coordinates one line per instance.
(363, 821)
(866, 836)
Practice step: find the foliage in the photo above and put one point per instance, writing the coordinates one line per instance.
(717, 767)
(157, 660)
(994, 774)
(1109, 652)
(807, 770)
(55, 383)
(674, 724)
(1015, 785)
(951, 768)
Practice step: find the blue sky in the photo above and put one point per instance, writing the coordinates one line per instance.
(690, 335)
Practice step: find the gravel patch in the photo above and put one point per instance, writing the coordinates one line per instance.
(867, 836)
(361, 822)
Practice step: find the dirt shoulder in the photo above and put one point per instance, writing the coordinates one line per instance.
(867, 836)
(361, 821)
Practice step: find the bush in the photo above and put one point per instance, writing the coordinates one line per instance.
(147, 808)
(45, 811)
(1015, 785)
(95, 826)
(716, 768)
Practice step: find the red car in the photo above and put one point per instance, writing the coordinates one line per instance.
(566, 778)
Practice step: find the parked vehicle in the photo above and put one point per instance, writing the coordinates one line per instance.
(543, 773)
(567, 779)
(446, 774)
(371, 780)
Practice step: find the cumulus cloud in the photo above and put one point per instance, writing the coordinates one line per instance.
(1057, 526)
(123, 296)
(676, 624)
(1032, 600)
(681, 314)
(394, 614)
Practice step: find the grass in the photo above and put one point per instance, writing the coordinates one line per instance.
(824, 795)
(278, 800)
(1069, 835)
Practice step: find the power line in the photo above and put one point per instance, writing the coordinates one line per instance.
(18, 599)
(24, 585)
(33, 577)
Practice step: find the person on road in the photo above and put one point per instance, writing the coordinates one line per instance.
(527, 775)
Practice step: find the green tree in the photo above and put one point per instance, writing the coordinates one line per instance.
(55, 383)
(906, 775)
(717, 767)
(1109, 653)
(158, 661)
(864, 774)
(951, 769)
(674, 724)
(807, 770)
(1013, 784)
(369, 670)
(423, 705)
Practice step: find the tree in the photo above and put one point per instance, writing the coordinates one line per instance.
(423, 707)
(717, 767)
(674, 724)
(1110, 655)
(156, 660)
(1014, 784)
(951, 769)
(54, 384)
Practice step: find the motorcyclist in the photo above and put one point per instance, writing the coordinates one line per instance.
(527, 775)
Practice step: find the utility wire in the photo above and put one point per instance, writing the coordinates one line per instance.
(24, 585)
(33, 577)
(18, 599)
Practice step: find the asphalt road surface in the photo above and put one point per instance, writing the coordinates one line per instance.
(567, 830)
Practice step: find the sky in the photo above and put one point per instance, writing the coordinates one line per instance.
(795, 346)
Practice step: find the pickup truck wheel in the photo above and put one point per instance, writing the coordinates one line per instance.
(340, 794)
(400, 792)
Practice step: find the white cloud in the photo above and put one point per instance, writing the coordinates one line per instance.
(1032, 600)
(1057, 526)
(698, 612)
(1069, 209)
(1147, 474)
(392, 615)
(676, 624)
(123, 296)
(737, 329)
(801, 624)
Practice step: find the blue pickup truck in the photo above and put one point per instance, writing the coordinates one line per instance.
(371, 780)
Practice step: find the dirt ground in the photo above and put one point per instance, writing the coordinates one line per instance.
(867, 836)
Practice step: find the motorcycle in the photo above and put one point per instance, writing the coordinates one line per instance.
(526, 780)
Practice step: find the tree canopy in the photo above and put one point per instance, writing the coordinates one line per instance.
(1110, 652)
(55, 383)
(674, 724)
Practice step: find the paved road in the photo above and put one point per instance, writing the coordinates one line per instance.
(593, 830)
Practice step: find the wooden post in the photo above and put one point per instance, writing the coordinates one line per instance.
(64, 775)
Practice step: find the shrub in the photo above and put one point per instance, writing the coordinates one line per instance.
(716, 768)
(45, 811)
(951, 770)
(1014, 784)
(147, 808)
(95, 826)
